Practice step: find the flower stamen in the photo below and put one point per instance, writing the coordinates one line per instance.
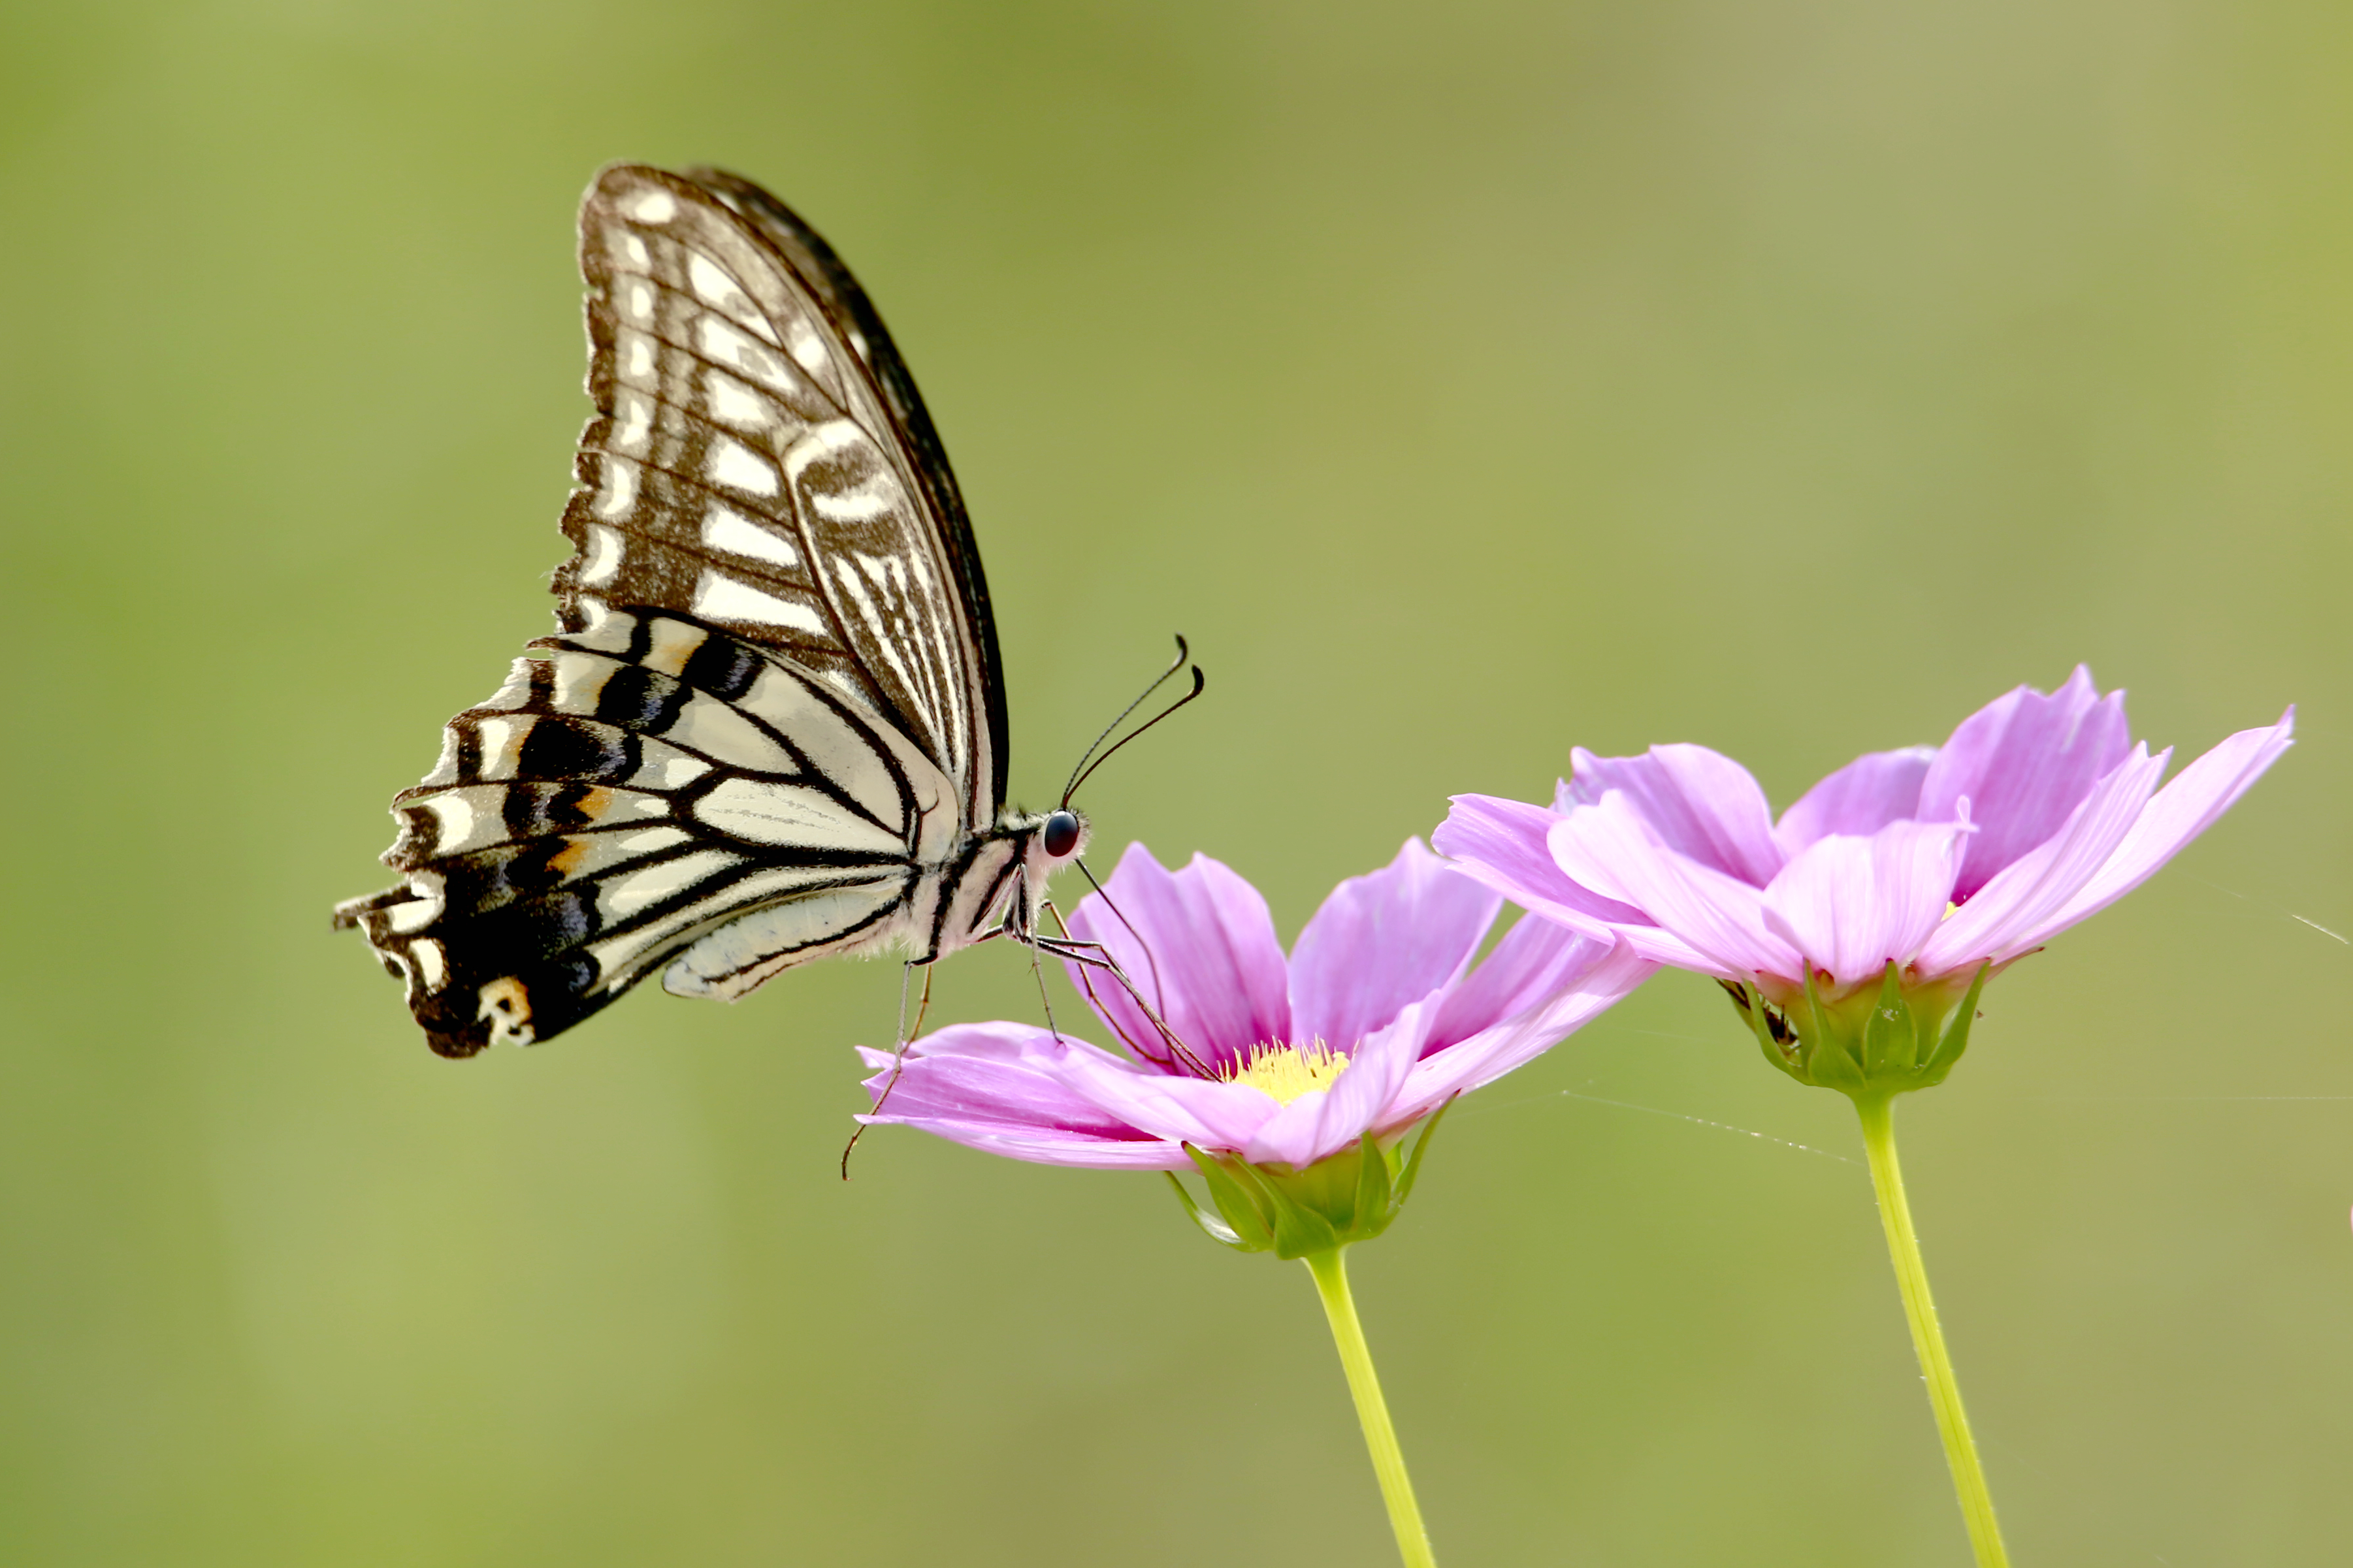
(1283, 1073)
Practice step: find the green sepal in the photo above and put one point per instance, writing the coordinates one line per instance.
(1412, 1171)
(1889, 1039)
(1300, 1228)
(1249, 1225)
(1217, 1230)
(1345, 1197)
(1834, 1058)
(1373, 1188)
(1956, 1034)
(1767, 1026)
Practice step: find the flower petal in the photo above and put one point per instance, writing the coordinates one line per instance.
(1535, 960)
(1860, 798)
(1609, 975)
(1200, 943)
(1712, 922)
(1500, 843)
(1209, 1112)
(1381, 942)
(2183, 810)
(999, 1087)
(1698, 803)
(2013, 912)
(2024, 761)
(1315, 1125)
(1850, 904)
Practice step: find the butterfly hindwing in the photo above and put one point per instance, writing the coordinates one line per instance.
(629, 791)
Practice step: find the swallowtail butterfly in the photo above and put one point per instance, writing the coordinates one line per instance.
(772, 726)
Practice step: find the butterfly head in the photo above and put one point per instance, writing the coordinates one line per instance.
(1049, 842)
(1064, 833)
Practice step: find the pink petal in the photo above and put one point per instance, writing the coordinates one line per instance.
(1487, 1055)
(1860, 799)
(1200, 943)
(1208, 1112)
(1535, 960)
(1501, 844)
(985, 1084)
(1850, 904)
(1381, 942)
(2003, 919)
(2183, 809)
(1053, 1149)
(1712, 922)
(1698, 803)
(2024, 761)
(1316, 1125)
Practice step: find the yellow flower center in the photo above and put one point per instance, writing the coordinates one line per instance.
(1286, 1072)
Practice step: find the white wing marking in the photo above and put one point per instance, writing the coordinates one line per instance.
(721, 598)
(710, 726)
(718, 340)
(716, 289)
(636, 422)
(603, 563)
(790, 815)
(739, 535)
(625, 896)
(620, 487)
(670, 644)
(733, 464)
(410, 918)
(807, 347)
(501, 744)
(656, 206)
(579, 677)
(878, 497)
(715, 965)
(454, 824)
(831, 746)
(732, 403)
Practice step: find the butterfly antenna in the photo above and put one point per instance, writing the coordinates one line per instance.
(1078, 774)
(1199, 680)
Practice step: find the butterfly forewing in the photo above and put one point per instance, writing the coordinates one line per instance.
(745, 468)
(770, 729)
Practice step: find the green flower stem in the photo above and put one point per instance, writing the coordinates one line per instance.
(1372, 1411)
(1927, 1337)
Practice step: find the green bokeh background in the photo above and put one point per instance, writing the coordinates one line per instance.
(1469, 383)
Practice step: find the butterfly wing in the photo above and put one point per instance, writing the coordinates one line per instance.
(773, 713)
(762, 462)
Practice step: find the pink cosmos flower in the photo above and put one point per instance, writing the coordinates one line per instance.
(1376, 1018)
(2038, 812)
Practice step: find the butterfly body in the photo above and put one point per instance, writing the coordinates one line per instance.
(771, 727)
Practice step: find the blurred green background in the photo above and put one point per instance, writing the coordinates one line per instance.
(1469, 383)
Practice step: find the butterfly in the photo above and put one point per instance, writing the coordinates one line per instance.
(771, 728)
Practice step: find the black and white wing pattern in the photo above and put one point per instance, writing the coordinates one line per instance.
(771, 727)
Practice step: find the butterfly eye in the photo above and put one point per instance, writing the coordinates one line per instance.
(1061, 834)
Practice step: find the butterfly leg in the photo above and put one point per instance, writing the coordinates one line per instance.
(899, 1054)
(1093, 956)
(1038, 972)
